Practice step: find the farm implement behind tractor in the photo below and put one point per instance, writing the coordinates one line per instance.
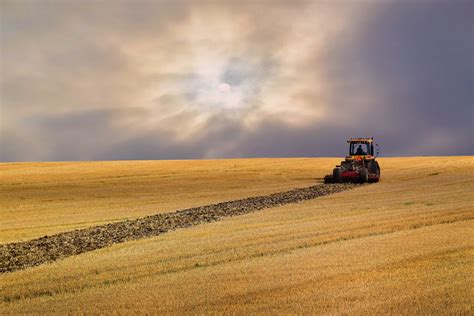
(360, 166)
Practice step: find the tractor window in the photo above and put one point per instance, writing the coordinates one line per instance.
(359, 149)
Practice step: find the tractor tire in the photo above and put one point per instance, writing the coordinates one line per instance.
(374, 168)
(336, 175)
(363, 175)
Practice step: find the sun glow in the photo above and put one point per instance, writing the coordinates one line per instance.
(218, 82)
(224, 87)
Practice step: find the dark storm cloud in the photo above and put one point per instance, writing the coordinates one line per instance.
(178, 79)
(417, 58)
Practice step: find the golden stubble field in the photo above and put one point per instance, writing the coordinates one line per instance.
(401, 246)
(40, 199)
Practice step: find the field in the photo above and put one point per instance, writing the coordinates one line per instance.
(401, 246)
(44, 198)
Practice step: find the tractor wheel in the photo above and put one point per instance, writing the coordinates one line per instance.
(374, 167)
(363, 175)
(336, 175)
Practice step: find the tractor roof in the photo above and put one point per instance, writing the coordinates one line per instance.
(360, 140)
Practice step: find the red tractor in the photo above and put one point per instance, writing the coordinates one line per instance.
(360, 166)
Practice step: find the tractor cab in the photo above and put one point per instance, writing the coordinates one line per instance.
(361, 148)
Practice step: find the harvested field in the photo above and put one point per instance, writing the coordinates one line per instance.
(16, 256)
(40, 199)
(400, 246)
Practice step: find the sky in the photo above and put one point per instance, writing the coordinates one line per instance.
(110, 80)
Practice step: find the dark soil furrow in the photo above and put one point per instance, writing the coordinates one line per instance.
(21, 255)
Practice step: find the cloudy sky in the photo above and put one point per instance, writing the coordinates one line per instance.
(103, 79)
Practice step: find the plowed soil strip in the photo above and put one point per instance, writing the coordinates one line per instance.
(21, 255)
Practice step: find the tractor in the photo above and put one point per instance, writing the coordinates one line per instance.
(360, 166)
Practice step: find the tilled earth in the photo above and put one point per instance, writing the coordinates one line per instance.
(21, 255)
